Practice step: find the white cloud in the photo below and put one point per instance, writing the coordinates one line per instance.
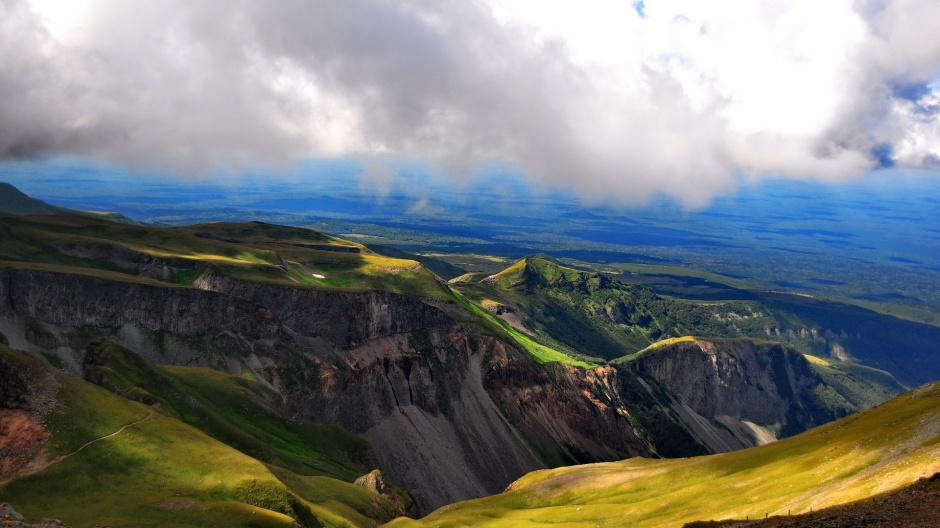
(684, 101)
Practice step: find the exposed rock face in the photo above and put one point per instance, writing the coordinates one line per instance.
(573, 415)
(342, 319)
(443, 407)
(22, 435)
(756, 392)
(374, 481)
(21, 438)
(450, 413)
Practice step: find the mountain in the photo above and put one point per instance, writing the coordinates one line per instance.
(79, 453)
(877, 450)
(593, 316)
(455, 398)
(14, 201)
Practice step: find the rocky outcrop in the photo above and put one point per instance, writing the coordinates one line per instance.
(571, 415)
(374, 481)
(12, 519)
(21, 438)
(428, 393)
(451, 412)
(341, 319)
(22, 401)
(736, 393)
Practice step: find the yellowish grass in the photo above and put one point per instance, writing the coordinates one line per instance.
(815, 360)
(874, 451)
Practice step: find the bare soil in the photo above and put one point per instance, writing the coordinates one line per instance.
(914, 506)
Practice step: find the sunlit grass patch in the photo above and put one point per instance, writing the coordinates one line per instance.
(162, 472)
(874, 451)
(816, 360)
(538, 351)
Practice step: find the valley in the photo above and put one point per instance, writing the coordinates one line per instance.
(877, 450)
(303, 362)
(368, 264)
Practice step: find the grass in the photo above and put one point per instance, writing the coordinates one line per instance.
(593, 315)
(233, 410)
(163, 472)
(249, 251)
(818, 361)
(876, 450)
(862, 386)
(659, 345)
(539, 352)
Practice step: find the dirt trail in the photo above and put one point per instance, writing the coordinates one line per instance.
(40, 462)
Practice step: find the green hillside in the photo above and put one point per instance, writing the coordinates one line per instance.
(251, 251)
(236, 411)
(158, 471)
(596, 316)
(877, 450)
(14, 201)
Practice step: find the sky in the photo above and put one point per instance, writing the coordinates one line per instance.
(613, 100)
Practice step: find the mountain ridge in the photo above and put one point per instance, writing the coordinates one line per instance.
(14, 201)
(879, 449)
(451, 395)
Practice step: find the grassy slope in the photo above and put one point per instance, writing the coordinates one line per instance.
(14, 201)
(653, 348)
(162, 472)
(541, 353)
(251, 251)
(442, 269)
(873, 451)
(254, 251)
(233, 410)
(590, 314)
(862, 386)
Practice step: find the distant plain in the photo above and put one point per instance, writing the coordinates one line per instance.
(874, 242)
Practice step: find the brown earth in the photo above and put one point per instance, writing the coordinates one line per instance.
(21, 439)
(914, 506)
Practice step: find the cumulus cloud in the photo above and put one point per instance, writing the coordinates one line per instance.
(617, 101)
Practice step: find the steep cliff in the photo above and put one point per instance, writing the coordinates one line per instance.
(736, 393)
(443, 405)
(451, 410)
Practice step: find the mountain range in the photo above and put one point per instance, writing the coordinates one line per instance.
(263, 375)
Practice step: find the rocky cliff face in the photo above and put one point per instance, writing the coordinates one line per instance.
(571, 415)
(736, 393)
(446, 409)
(451, 412)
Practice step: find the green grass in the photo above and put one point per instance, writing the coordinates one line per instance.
(862, 386)
(658, 345)
(236, 411)
(249, 251)
(876, 450)
(538, 351)
(589, 314)
(162, 472)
